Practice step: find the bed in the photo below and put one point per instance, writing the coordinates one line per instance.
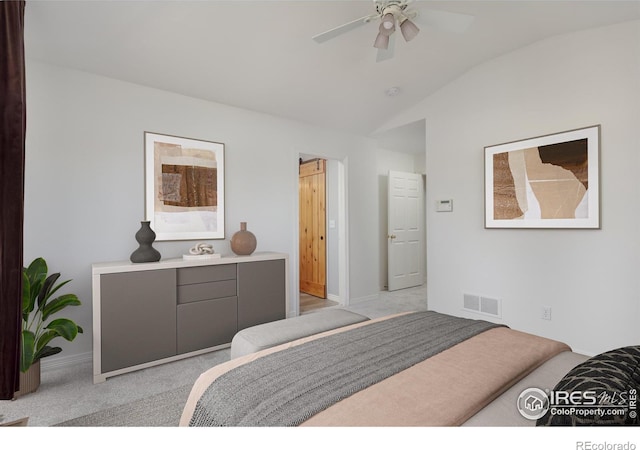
(413, 369)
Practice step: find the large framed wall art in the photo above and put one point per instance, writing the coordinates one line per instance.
(549, 181)
(184, 187)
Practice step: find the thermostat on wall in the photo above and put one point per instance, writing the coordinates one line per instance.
(444, 205)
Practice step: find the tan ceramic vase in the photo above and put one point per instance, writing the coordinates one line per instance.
(243, 242)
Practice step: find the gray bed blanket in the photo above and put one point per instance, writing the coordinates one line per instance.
(288, 387)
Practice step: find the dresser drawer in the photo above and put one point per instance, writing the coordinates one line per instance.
(204, 274)
(188, 293)
(206, 324)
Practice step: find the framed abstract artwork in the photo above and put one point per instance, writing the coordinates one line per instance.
(184, 187)
(549, 181)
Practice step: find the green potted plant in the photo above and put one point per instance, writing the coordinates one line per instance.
(38, 306)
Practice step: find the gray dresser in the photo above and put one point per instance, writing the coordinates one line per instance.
(152, 313)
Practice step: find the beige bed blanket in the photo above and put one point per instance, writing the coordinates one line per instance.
(444, 390)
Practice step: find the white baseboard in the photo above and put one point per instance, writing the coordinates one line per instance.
(334, 298)
(65, 361)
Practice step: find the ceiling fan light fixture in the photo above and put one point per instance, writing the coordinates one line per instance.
(382, 42)
(387, 27)
(409, 30)
(389, 21)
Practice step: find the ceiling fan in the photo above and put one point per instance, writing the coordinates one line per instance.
(400, 13)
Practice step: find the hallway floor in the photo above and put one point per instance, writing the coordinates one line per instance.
(310, 303)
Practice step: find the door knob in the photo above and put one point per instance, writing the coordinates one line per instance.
(391, 236)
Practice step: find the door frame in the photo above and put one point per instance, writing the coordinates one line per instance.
(343, 232)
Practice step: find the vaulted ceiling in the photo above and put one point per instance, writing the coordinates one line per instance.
(260, 55)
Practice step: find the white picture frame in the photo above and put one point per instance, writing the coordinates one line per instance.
(549, 181)
(184, 187)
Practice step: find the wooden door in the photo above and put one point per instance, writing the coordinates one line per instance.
(312, 228)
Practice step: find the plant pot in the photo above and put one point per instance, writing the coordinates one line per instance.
(29, 380)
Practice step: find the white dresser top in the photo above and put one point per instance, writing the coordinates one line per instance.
(172, 263)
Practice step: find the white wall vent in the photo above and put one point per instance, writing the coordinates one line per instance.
(472, 302)
(482, 305)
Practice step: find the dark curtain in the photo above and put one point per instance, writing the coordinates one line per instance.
(12, 137)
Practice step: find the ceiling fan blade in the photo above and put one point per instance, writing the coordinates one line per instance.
(383, 54)
(444, 20)
(335, 32)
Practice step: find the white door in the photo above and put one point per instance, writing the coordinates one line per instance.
(405, 234)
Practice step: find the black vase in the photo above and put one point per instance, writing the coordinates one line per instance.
(145, 252)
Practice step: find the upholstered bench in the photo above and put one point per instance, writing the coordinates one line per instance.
(270, 334)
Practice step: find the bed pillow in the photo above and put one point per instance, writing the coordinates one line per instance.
(612, 376)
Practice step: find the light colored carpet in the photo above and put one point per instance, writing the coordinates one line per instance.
(68, 393)
(161, 410)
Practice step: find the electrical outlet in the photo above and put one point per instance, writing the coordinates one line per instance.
(546, 313)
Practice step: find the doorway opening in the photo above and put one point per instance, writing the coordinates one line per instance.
(321, 234)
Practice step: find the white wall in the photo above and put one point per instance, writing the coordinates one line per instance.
(84, 193)
(588, 277)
